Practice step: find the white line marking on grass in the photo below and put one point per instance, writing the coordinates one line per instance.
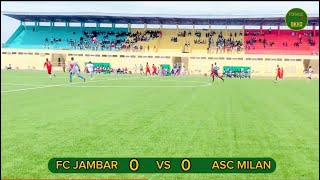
(134, 86)
(17, 84)
(143, 86)
(140, 86)
(57, 85)
(41, 87)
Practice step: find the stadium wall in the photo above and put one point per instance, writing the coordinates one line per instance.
(196, 64)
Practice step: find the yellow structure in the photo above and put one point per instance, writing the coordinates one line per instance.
(164, 43)
(195, 63)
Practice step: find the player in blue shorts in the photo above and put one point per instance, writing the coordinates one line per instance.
(74, 69)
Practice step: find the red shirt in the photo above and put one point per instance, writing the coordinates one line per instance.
(147, 66)
(48, 65)
(279, 70)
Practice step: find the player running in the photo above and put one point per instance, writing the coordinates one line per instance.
(90, 68)
(148, 69)
(74, 69)
(278, 73)
(48, 65)
(215, 72)
(141, 69)
(281, 73)
(135, 69)
(310, 71)
(154, 70)
(212, 71)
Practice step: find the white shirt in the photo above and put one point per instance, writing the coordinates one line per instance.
(90, 67)
(310, 71)
(74, 65)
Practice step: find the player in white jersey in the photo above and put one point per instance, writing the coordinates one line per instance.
(90, 68)
(141, 69)
(74, 69)
(182, 71)
(310, 72)
(135, 68)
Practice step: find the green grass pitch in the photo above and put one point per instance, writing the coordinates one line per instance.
(138, 116)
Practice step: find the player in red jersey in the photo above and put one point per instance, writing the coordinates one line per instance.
(215, 72)
(212, 71)
(281, 73)
(154, 70)
(278, 73)
(147, 69)
(48, 65)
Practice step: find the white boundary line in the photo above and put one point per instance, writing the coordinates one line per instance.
(17, 84)
(71, 84)
(41, 87)
(57, 85)
(208, 84)
(156, 86)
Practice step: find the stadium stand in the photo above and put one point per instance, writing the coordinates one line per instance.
(195, 49)
(73, 38)
(286, 42)
(151, 40)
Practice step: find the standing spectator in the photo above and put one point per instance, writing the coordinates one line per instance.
(64, 66)
(300, 38)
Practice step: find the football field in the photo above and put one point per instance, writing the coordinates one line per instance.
(139, 116)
